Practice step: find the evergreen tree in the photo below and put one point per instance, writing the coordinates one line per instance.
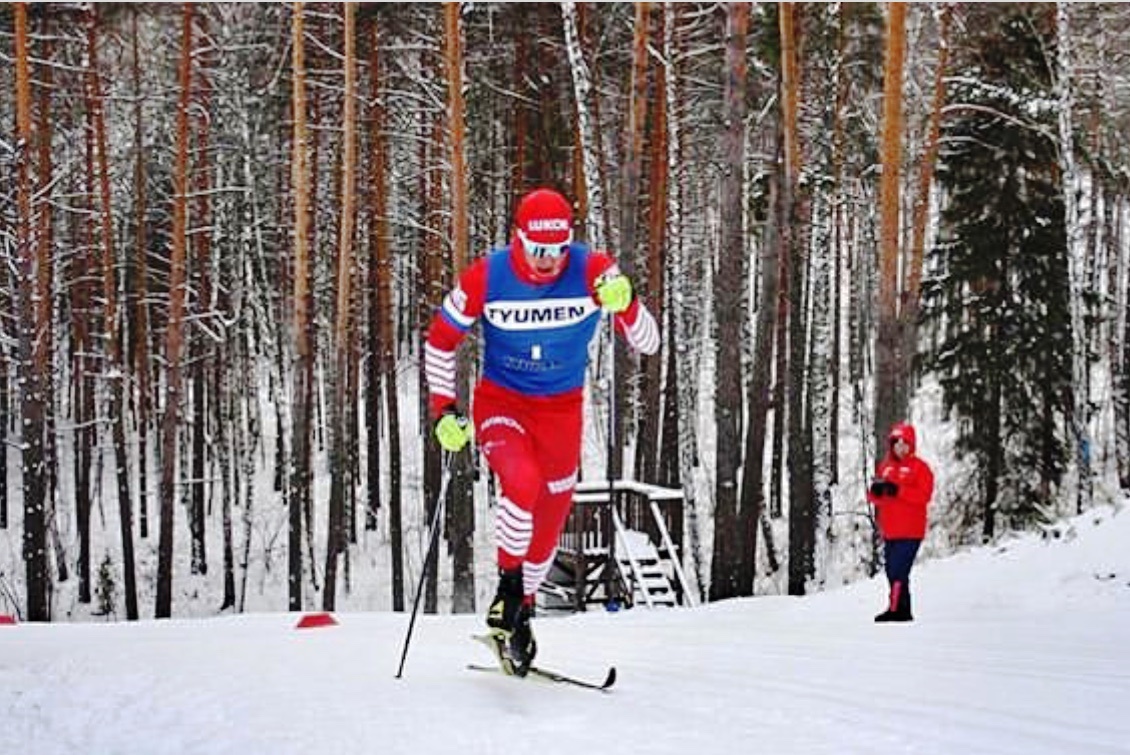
(999, 289)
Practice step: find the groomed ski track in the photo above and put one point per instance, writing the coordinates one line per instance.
(1020, 649)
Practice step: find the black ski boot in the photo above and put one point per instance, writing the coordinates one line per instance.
(509, 620)
(503, 611)
(523, 646)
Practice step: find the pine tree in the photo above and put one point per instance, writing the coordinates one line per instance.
(999, 281)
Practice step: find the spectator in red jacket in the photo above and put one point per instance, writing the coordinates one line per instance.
(900, 492)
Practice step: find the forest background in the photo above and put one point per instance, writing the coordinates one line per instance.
(224, 227)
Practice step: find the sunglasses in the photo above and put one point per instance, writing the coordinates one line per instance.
(552, 251)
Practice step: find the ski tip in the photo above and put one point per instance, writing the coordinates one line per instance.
(610, 679)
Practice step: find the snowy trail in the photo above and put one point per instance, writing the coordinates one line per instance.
(1018, 650)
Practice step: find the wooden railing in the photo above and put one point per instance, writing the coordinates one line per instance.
(588, 543)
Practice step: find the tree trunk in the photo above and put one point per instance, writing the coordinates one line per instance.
(633, 138)
(32, 363)
(200, 351)
(819, 434)
(651, 394)
(45, 242)
(461, 511)
(227, 430)
(995, 465)
(753, 476)
(300, 476)
(596, 233)
(686, 271)
(889, 395)
(141, 284)
(113, 342)
(521, 121)
(85, 421)
(1120, 359)
(1076, 255)
(315, 254)
(781, 348)
(340, 436)
(382, 330)
(378, 230)
(729, 542)
(839, 200)
(908, 312)
(802, 525)
(174, 330)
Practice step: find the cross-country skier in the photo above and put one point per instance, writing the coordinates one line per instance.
(900, 492)
(540, 299)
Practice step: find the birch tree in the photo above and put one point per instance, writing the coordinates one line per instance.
(1076, 255)
(595, 232)
(684, 286)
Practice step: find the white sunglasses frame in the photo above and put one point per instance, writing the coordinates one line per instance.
(555, 250)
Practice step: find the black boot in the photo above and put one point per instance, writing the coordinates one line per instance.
(899, 604)
(902, 613)
(523, 646)
(503, 613)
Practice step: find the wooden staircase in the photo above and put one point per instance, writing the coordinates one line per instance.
(644, 571)
(623, 551)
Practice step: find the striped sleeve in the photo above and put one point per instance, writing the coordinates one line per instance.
(460, 308)
(641, 331)
(439, 369)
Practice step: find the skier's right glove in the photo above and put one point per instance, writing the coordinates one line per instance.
(453, 430)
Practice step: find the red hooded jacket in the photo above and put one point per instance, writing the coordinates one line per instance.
(903, 516)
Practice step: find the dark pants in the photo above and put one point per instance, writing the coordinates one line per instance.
(899, 556)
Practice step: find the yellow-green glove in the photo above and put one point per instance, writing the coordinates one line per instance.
(453, 431)
(614, 293)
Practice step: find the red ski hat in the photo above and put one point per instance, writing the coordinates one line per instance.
(543, 228)
(903, 431)
(545, 217)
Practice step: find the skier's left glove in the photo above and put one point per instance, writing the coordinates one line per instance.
(614, 292)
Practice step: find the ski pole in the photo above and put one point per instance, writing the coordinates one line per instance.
(437, 519)
(611, 451)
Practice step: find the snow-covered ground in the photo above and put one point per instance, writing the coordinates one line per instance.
(1018, 648)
